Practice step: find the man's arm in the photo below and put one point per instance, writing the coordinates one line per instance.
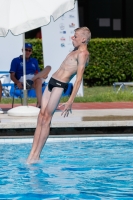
(82, 58)
(12, 71)
(13, 78)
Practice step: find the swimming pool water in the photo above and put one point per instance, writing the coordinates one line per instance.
(76, 170)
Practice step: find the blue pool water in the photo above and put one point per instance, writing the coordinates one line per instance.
(96, 169)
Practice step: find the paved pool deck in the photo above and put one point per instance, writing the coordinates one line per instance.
(85, 118)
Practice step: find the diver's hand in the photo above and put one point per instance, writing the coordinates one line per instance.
(67, 108)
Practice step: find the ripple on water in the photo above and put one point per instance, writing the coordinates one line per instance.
(96, 169)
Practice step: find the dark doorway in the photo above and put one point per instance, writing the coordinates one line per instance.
(105, 18)
(36, 33)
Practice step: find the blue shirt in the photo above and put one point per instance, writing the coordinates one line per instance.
(17, 66)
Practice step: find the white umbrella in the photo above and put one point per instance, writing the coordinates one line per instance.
(20, 16)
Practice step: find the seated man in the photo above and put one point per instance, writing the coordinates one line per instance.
(1, 111)
(34, 77)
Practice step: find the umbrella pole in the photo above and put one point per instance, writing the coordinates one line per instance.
(24, 75)
(24, 110)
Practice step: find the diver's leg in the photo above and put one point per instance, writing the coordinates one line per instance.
(45, 99)
(46, 117)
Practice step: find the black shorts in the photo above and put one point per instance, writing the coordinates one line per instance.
(55, 83)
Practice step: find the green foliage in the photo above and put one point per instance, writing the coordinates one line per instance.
(37, 51)
(111, 60)
(104, 94)
(91, 94)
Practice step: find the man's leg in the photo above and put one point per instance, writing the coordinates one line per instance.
(43, 124)
(38, 88)
(38, 83)
(43, 74)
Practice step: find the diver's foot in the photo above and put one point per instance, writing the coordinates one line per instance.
(32, 161)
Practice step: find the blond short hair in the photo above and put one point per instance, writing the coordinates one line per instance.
(86, 32)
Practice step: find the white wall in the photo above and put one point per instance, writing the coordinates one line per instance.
(10, 47)
(56, 40)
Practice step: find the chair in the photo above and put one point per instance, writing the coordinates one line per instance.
(5, 89)
(17, 92)
(13, 94)
(69, 90)
(31, 92)
(122, 85)
(5, 81)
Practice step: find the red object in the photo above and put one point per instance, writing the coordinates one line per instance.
(36, 72)
(39, 35)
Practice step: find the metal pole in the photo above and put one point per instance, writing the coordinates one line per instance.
(24, 74)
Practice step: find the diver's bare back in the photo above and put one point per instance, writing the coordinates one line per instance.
(68, 68)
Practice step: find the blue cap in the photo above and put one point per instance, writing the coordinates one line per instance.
(28, 45)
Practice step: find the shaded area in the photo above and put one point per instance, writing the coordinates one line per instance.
(107, 118)
(72, 132)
